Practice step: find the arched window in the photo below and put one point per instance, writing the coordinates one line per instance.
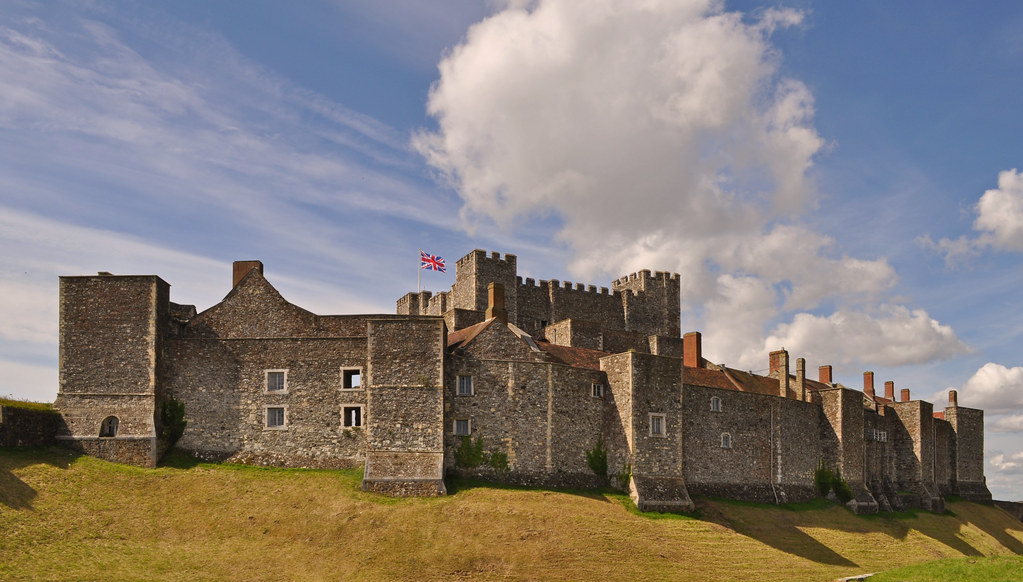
(715, 404)
(726, 440)
(109, 427)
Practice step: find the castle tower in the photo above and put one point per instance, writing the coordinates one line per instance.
(473, 275)
(652, 303)
(111, 347)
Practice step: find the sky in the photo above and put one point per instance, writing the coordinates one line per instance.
(841, 179)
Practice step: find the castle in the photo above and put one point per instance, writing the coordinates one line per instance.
(535, 375)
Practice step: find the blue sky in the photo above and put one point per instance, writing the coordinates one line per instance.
(839, 179)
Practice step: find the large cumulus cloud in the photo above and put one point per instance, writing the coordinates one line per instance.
(661, 135)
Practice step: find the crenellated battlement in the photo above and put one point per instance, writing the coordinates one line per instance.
(480, 256)
(547, 284)
(643, 279)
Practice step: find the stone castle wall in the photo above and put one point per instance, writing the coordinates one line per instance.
(773, 447)
(541, 414)
(22, 427)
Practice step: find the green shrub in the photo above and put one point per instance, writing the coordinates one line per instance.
(841, 488)
(498, 460)
(469, 453)
(624, 476)
(596, 458)
(822, 479)
(172, 420)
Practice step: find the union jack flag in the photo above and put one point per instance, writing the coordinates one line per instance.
(430, 262)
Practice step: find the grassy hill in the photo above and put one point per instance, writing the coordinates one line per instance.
(68, 517)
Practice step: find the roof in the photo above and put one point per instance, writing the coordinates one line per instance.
(466, 334)
(577, 357)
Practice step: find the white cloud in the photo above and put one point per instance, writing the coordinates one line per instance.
(999, 222)
(1013, 423)
(994, 388)
(1007, 464)
(660, 135)
(894, 336)
(37, 383)
(1000, 212)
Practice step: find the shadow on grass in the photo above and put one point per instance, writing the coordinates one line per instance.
(998, 524)
(14, 492)
(456, 485)
(780, 536)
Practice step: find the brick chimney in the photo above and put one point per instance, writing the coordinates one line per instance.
(495, 302)
(692, 349)
(868, 384)
(953, 398)
(824, 374)
(242, 268)
(780, 366)
(801, 379)
(889, 390)
(905, 395)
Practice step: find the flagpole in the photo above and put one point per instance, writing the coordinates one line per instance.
(419, 273)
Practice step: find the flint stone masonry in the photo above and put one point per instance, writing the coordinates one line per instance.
(21, 427)
(561, 367)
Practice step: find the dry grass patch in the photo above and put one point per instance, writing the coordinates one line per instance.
(68, 517)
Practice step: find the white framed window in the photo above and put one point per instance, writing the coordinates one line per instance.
(462, 427)
(465, 385)
(275, 381)
(108, 428)
(726, 440)
(352, 416)
(715, 404)
(351, 378)
(597, 390)
(657, 426)
(275, 417)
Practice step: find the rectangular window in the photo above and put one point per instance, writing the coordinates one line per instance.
(275, 417)
(715, 404)
(597, 390)
(657, 425)
(351, 416)
(276, 380)
(462, 426)
(465, 385)
(351, 378)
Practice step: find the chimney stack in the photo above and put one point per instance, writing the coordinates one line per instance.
(242, 268)
(495, 302)
(824, 374)
(889, 390)
(868, 384)
(780, 365)
(953, 398)
(692, 350)
(905, 395)
(801, 379)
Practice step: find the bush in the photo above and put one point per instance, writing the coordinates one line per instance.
(624, 476)
(172, 420)
(469, 454)
(596, 458)
(822, 479)
(841, 488)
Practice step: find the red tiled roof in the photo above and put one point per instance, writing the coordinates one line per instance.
(577, 357)
(466, 334)
(706, 377)
(940, 415)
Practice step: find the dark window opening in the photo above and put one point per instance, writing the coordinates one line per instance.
(109, 427)
(351, 379)
(352, 416)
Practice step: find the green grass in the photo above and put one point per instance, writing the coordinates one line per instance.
(26, 404)
(70, 517)
(992, 569)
